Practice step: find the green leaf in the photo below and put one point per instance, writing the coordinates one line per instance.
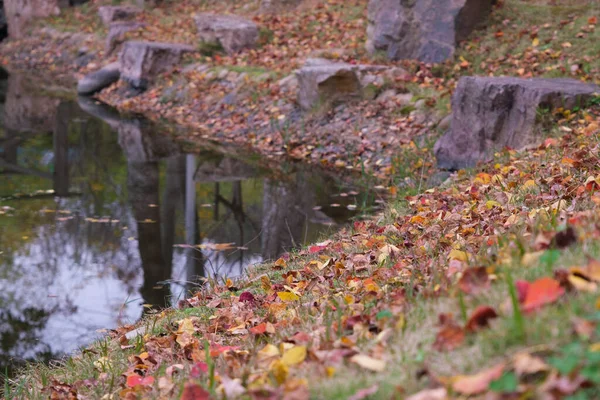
(507, 383)
(384, 314)
(565, 365)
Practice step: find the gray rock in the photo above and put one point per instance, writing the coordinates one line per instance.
(98, 80)
(19, 14)
(289, 83)
(489, 114)
(404, 99)
(321, 81)
(231, 32)
(140, 62)
(110, 14)
(116, 33)
(425, 30)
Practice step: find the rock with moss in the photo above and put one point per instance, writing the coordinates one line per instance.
(230, 32)
(490, 114)
(425, 30)
(140, 61)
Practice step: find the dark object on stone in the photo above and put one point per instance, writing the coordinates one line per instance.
(98, 80)
(424, 30)
(490, 114)
(141, 61)
(116, 34)
(110, 14)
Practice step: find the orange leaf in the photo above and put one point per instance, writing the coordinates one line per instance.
(135, 380)
(478, 383)
(541, 292)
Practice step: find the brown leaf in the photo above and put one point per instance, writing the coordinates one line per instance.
(563, 239)
(474, 280)
(526, 364)
(450, 335)
(480, 318)
(192, 391)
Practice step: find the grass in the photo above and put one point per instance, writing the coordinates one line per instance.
(410, 325)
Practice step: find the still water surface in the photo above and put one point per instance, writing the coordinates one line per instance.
(99, 213)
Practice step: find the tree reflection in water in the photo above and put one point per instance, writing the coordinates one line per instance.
(106, 215)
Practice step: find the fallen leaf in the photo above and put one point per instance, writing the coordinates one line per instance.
(364, 393)
(192, 391)
(480, 318)
(135, 380)
(450, 335)
(294, 356)
(287, 296)
(478, 383)
(526, 364)
(542, 292)
(430, 394)
(369, 363)
(474, 280)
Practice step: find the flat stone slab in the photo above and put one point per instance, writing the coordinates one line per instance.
(231, 32)
(490, 114)
(140, 61)
(98, 80)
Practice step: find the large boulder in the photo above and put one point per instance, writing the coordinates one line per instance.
(19, 13)
(425, 30)
(98, 80)
(141, 61)
(231, 32)
(321, 81)
(489, 114)
(110, 14)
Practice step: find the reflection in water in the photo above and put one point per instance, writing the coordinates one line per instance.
(100, 215)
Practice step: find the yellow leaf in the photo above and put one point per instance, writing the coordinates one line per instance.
(595, 347)
(294, 356)
(529, 185)
(288, 296)
(369, 363)
(268, 351)
(535, 42)
(458, 255)
(265, 284)
(491, 204)
(186, 326)
(581, 284)
(330, 371)
(279, 371)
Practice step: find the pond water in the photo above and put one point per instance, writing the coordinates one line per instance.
(104, 217)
